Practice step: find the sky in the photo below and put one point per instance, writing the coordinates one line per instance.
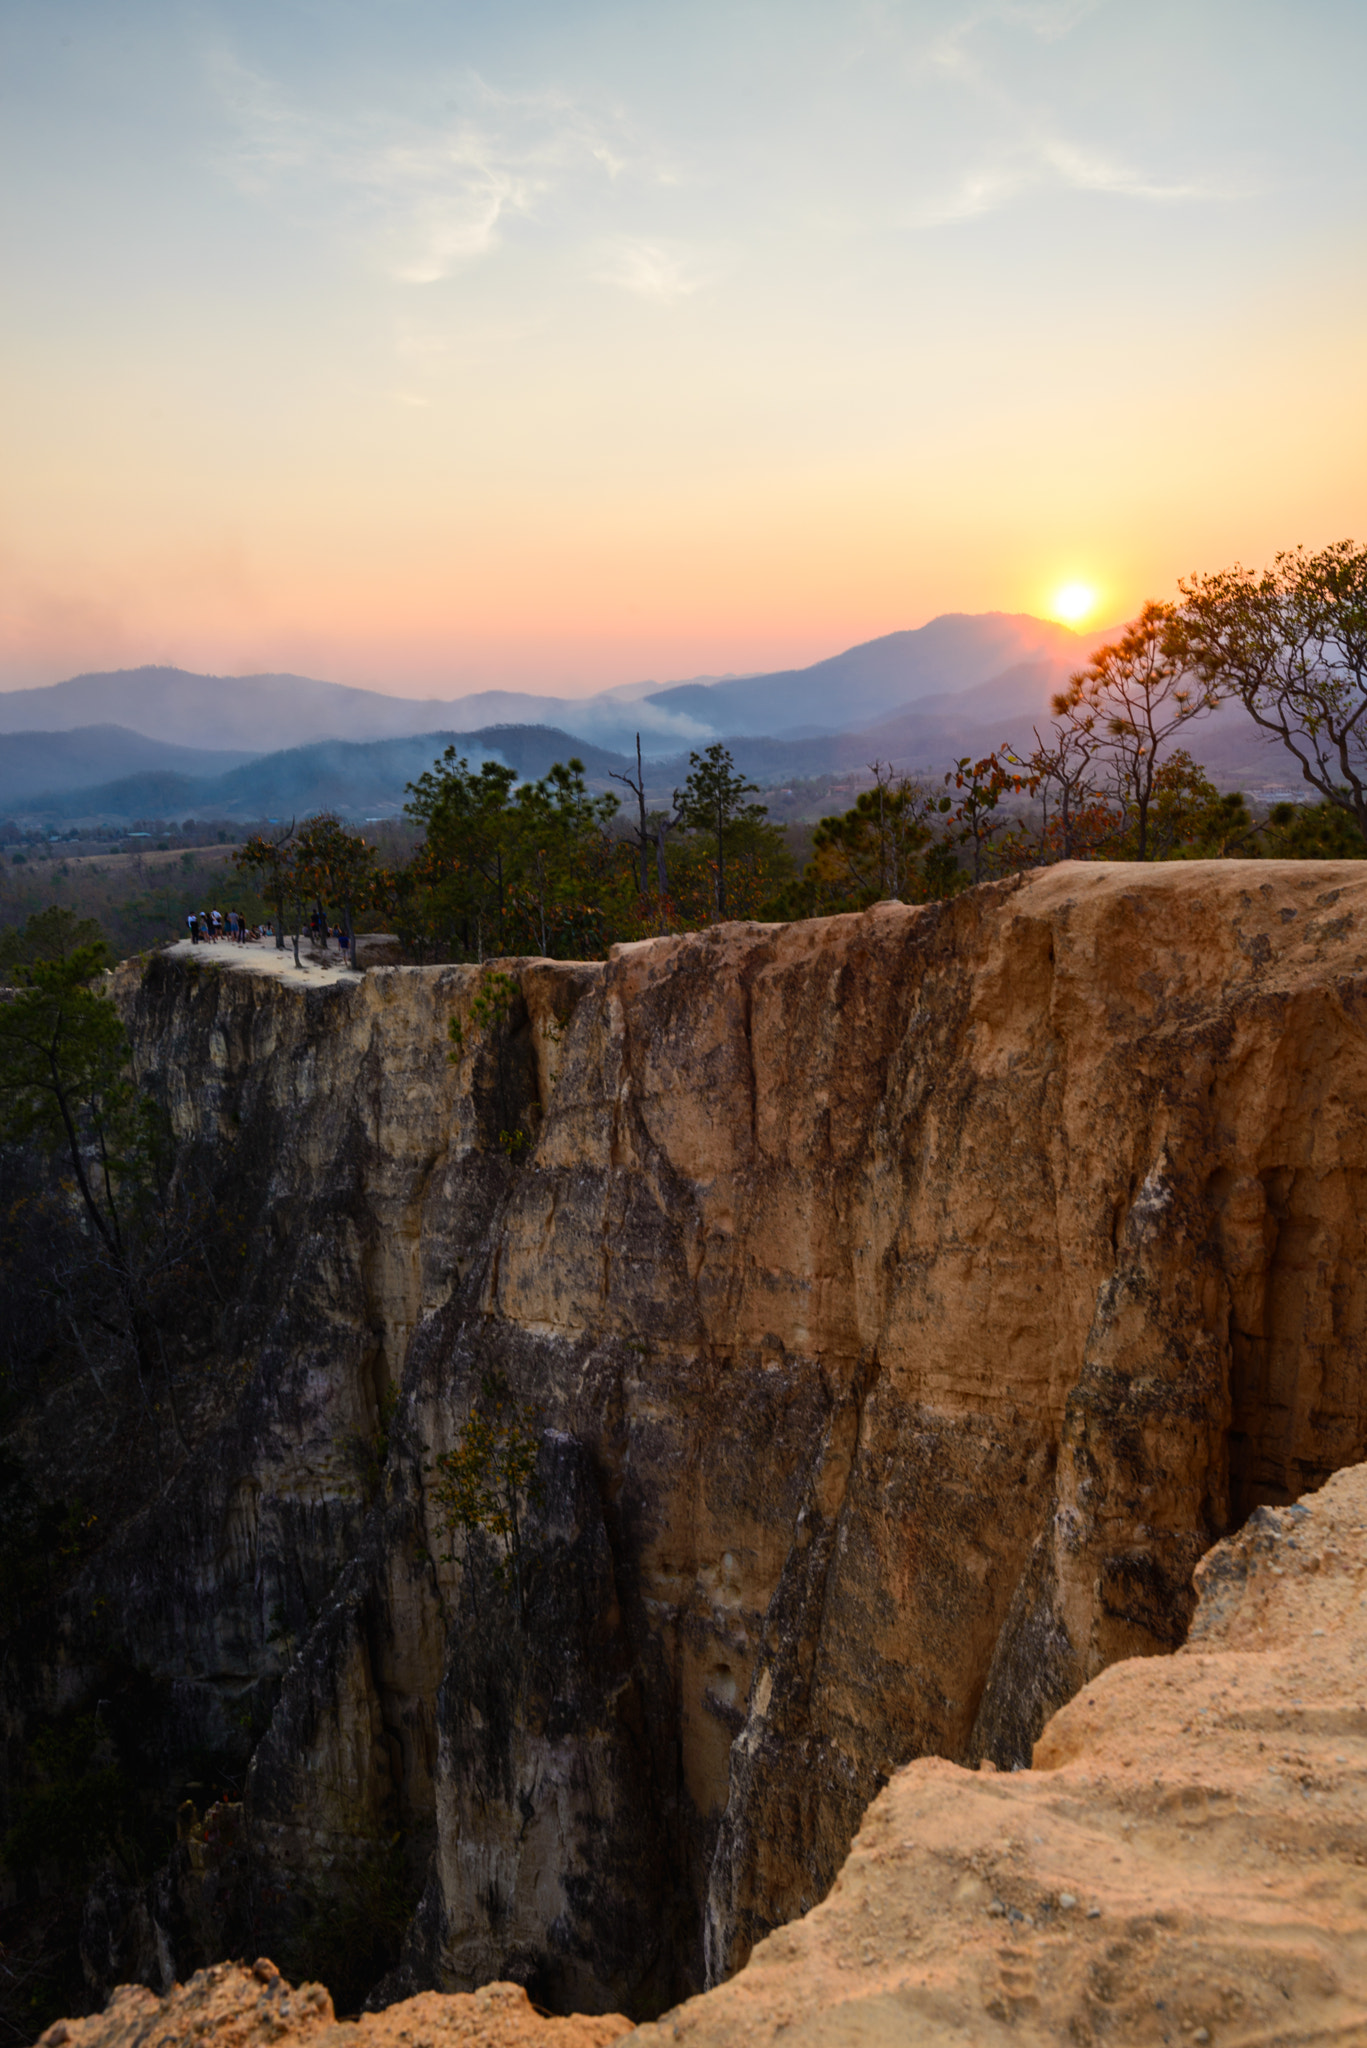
(435, 346)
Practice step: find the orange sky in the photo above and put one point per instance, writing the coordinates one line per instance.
(554, 351)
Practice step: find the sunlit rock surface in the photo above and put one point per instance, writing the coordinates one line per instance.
(1185, 1862)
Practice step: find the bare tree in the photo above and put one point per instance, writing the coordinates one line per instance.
(1062, 764)
(638, 790)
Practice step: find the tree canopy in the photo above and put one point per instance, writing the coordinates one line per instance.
(1291, 645)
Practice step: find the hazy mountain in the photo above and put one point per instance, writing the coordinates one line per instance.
(270, 712)
(355, 778)
(961, 685)
(32, 761)
(927, 738)
(257, 713)
(956, 652)
(265, 713)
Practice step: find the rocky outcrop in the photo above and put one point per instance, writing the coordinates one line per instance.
(1184, 1862)
(240, 2008)
(910, 1300)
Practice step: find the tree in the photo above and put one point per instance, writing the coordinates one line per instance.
(52, 934)
(1321, 831)
(496, 1002)
(66, 1086)
(488, 1480)
(559, 850)
(869, 853)
(1128, 702)
(713, 800)
(334, 866)
(268, 860)
(1062, 766)
(469, 831)
(637, 786)
(983, 783)
(1291, 645)
(1190, 818)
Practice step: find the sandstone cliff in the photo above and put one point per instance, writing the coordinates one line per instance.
(1185, 1862)
(911, 1299)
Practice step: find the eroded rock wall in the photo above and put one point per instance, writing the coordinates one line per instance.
(1184, 1862)
(923, 1292)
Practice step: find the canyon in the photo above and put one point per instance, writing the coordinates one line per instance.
(1184, 1862)
(909, 1301)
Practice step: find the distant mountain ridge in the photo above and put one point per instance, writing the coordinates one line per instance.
(355, 778)
(92, 754)
(265, 713)
(964, 684)
(958, 651)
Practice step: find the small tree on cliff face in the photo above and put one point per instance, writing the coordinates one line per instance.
(492, 1009)
(487, 1481)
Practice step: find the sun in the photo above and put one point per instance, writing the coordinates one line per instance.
(1073, 603)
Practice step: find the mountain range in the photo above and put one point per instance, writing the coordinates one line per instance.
(162, 742)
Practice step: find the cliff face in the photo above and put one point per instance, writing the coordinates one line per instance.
(1183, 1863)
(910, 1300)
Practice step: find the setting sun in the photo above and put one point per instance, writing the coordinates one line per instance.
(1074, 602)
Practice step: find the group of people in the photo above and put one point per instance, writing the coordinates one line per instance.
(207, 925)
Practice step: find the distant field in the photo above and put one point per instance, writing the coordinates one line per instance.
(140, 898)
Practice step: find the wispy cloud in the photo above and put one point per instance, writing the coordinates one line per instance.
(654, 270)
(1043, 160)
(430, 197)
(1027, 149)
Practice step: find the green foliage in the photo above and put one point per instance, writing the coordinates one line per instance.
(876, 850)
(487, 1481)
(128, 1249)
(1321, 831)
(493, 1007)
(712, 800)
(65, 1081)
(508, 869)
(52, 934)
(1189, 817)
